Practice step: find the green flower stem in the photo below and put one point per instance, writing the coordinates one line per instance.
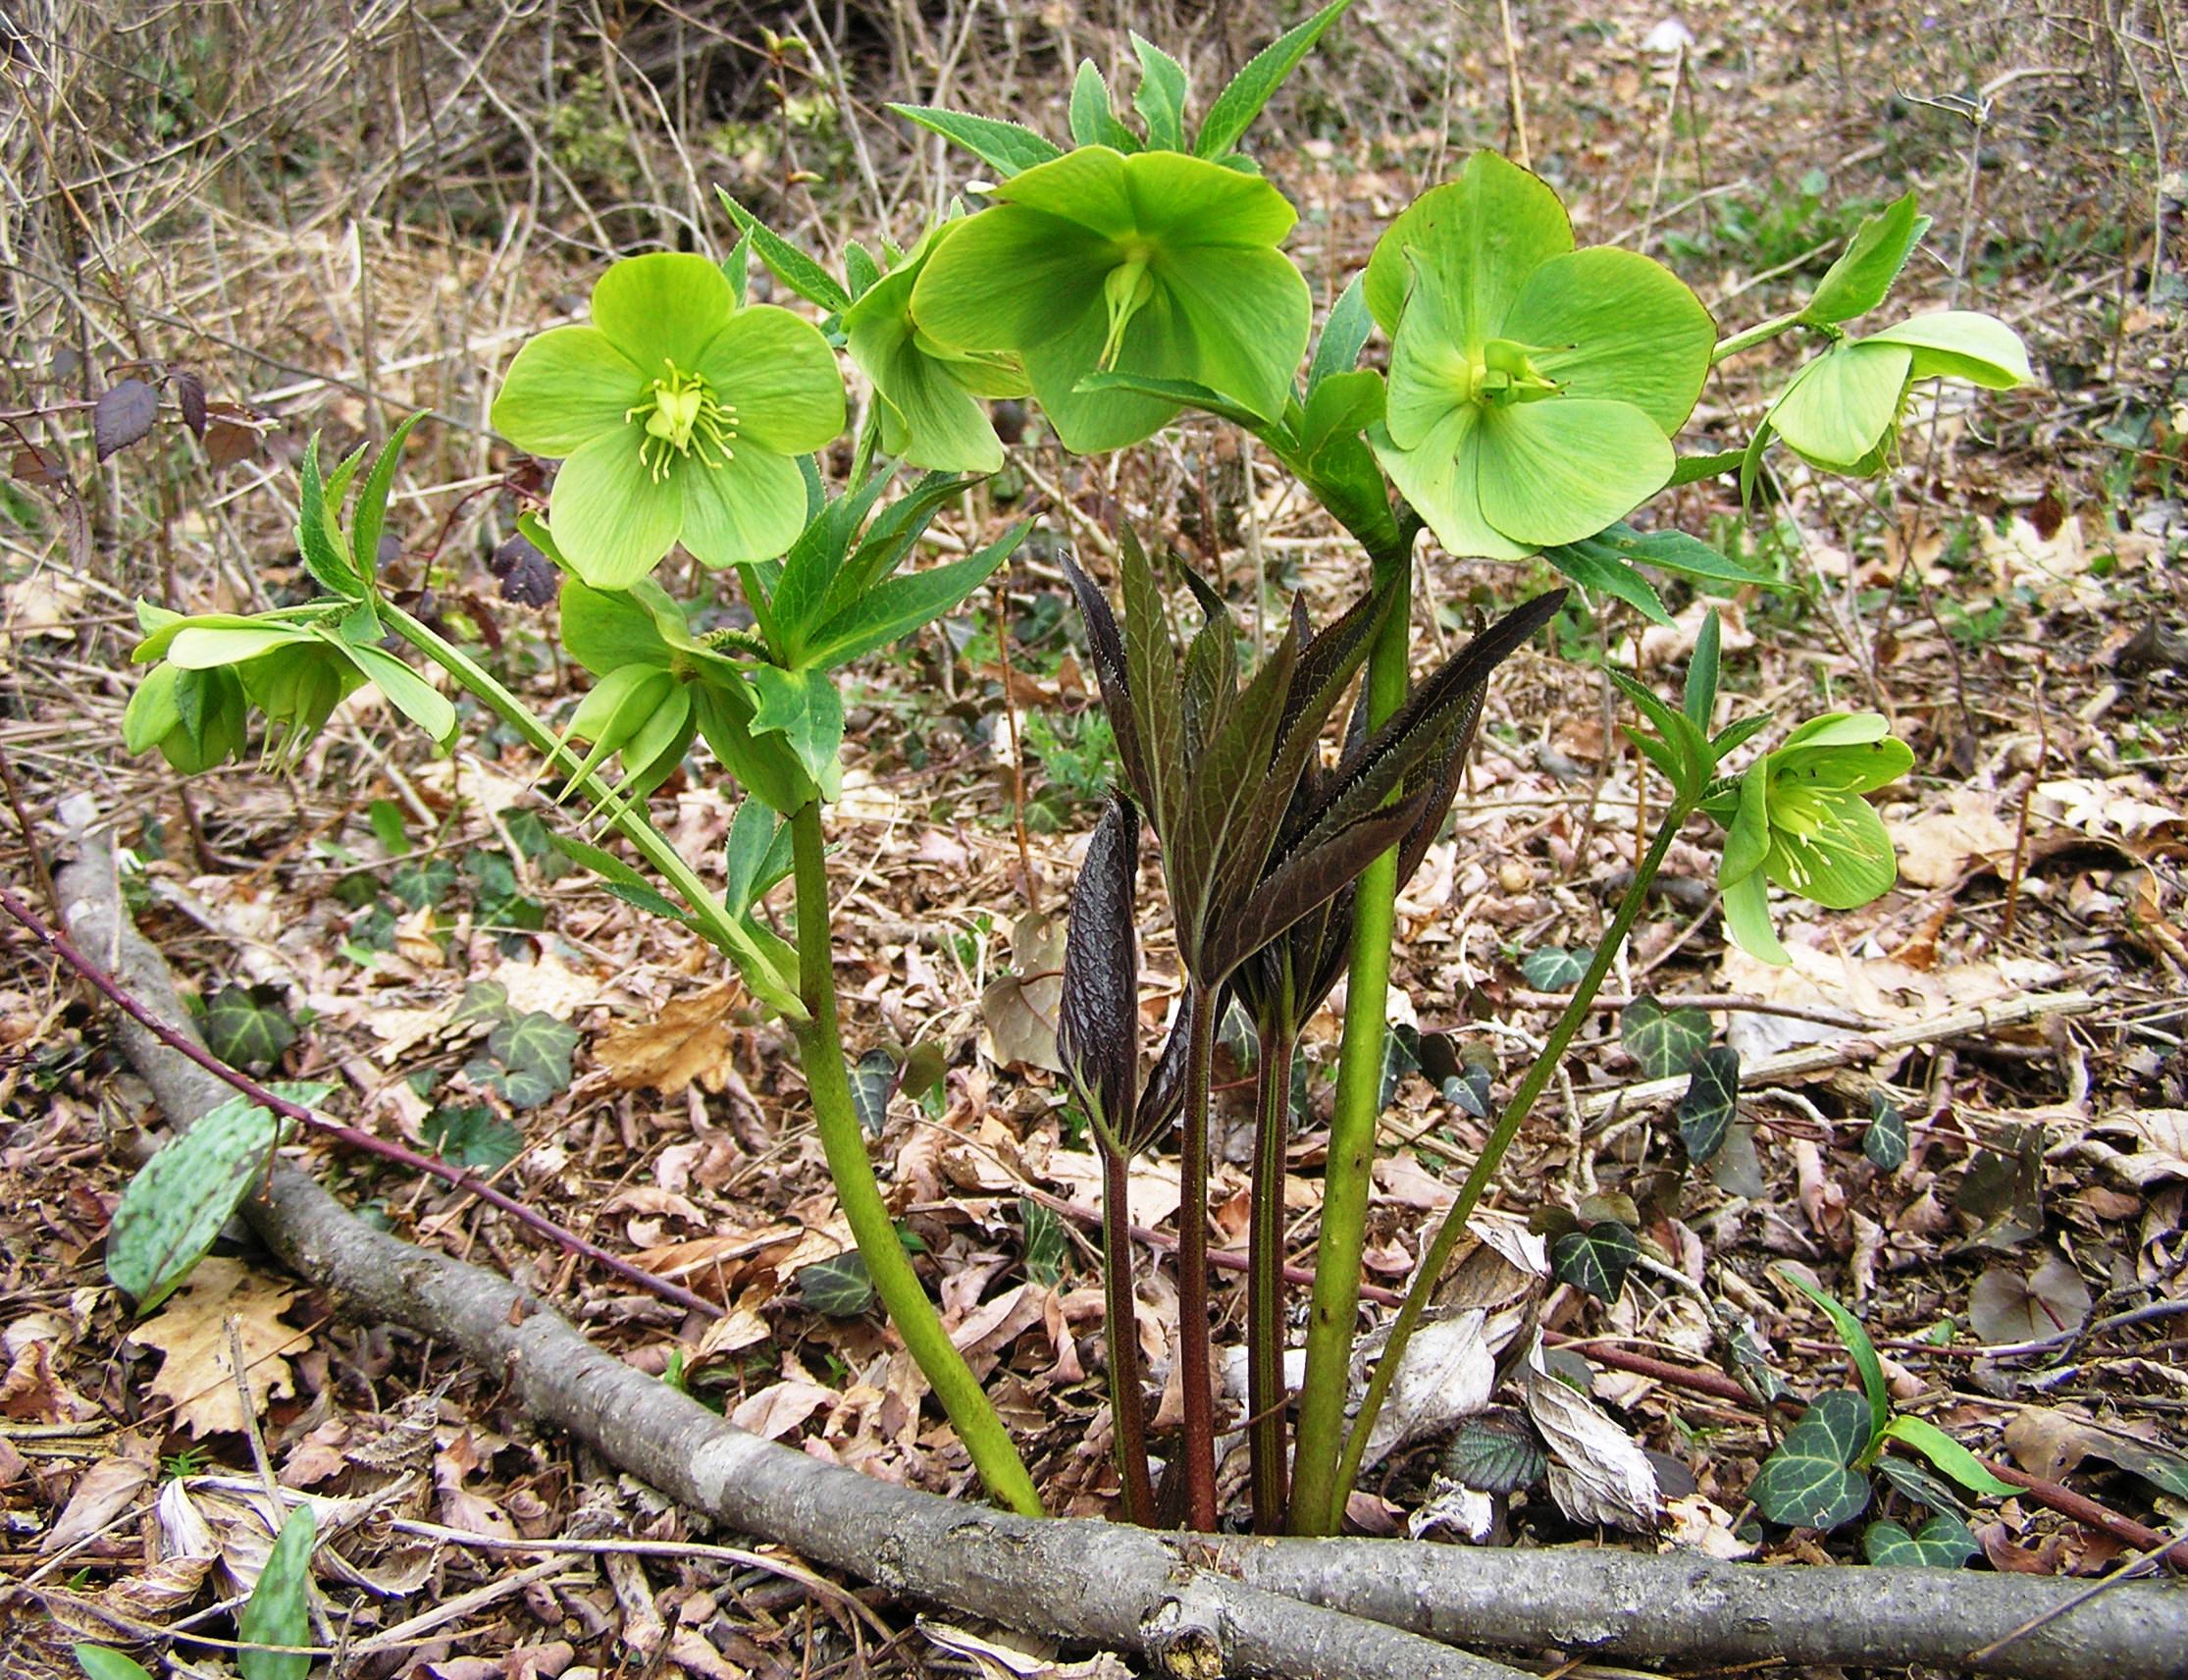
(836, 1118)
(1760, 332)
(626, 818)
(1317, 1499)
(1196, 1362)
(1538, 1078)
(1264, 1275)
(1120, 1321)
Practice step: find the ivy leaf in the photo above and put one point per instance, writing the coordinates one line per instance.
(485, 1003)
(1553, 968)
(1597, 1259)
(1885, 1143)
(1712, 1099)
(527, 1059)
(1664, 1041)
(279, 1611)
(2004, 1189)
(1915, 1481)
(1806, 1483)
(1468, 1091)
(175, 1206)
(247, 1027)
(873, 1078)
(1944, 1542)
(471, 1134)
(837, 1287)
(1496, 1451)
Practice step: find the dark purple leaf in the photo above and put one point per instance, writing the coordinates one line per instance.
(124, 416)
(189, 396)
(528, 577)
(1097, 1017)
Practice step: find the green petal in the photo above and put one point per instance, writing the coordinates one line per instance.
(1248, 312)
(1562, 469)
(1440, 479)
(1852, 769)
(609, 517)
(1746, 908)
(1849, 866)
(1181, 201)
(777, 371)
(1088, 186)
(1962, 343)
(663, 306)
(1839, 730)
(1091, 421)
(1010, 279)
(1479, 237)
(1612, 323)
(1430, 375)
(1747, 836)
(198, 647)
(928, 418)
(748, 509)
(1842, 404)
(152, 712)
(564, 388)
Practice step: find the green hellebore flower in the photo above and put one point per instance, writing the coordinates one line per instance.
(678, 415)
(1799, 820)
(196, 718)
(641, 712)
(1534, 389)
(1841, 410)
(931, 399)
(1158, 265)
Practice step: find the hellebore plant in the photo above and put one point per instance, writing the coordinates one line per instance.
(1533, 399)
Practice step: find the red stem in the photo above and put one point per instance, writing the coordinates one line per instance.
(363, 1141)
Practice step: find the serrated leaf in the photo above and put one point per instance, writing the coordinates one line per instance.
(471, 1134)
(892, 609)
(1343, 334)
(1595, 566)
(1554, 969)
(1597, 1259)
(1671, 552)
(372, 501)
(1807, 1482)
(873, 1078)
(177, 1202)
(104, 1663)
(325, 557)
(122, 415)
(1005, 147)
(1160, 98)
(1184, 392)
(1885, 1143)
(278, 1612)
(1945, 1543)
(1242, 100)
(247, 1027)
(790, 265)
(1712, 1099)
(1664, 1041)
(1097, 1018)
(1857, 281)
(1496, 1451)
(837, 1287)
(1093, 118)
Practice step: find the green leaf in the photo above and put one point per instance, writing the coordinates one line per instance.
(1183, 392)
(1673, 551)
(1005, 147)
(1160, 98)
(1242, 100)
(757, 856)
(1496, 1451)
(1960, 344)
(315, 539)
(278, 1612)
(1047, 1243)
(372, 501)
(470, 1135)
(528, 1059)
(1664, 1041)
(247, 1027)
(1344, 334)
(620, 878)
(1915, 1481)
(1712, 1100)
(790, 265)
(804, 709)
(1597, 1259)
(1593, 568)
(177, 1202)
(1885, 1142)
(104, 1663)
(1806, 1483)
(838, 1288)
(485, 1003)
(1944, 1542)
(1093, 118)
(895, 609)
(1859, 1346)
(1838, 411)
(1692, 469)
(1554, 969)
(873, 1078)
(1856, 283)
(1949, 1457)
(1699, 697)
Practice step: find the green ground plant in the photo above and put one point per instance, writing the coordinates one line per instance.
(1534, 396)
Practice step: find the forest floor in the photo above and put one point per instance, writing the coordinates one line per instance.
(372, 219)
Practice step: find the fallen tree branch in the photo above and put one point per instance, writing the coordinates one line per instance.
(1333, 1608)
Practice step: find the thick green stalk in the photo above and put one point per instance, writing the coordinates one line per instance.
(836, 1118)
(1120, 1326)
(1753, 336)
(1334, 1305)
(628, 819)
(1265, 1274)
(1195, 1355)
(1538, 1077)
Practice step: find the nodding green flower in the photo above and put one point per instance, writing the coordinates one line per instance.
(678, 415)
(931, 399)
(1158, 265)
(1534, 389)
(1797, 820)
(196, 718)
(1840, 412)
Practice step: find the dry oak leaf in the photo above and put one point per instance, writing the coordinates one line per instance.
(192, 1330)
(689, 1039)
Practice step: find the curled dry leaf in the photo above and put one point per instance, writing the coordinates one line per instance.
(102, 1492)
(1018, 1010)
(688, 1040)
(1445, 1373)
(1596, 1474)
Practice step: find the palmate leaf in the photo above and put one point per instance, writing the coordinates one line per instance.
(1664, 1041)
(1945, 1543)
(1595, 1259)
(1712, 1100)
(1807, 1482)
(902, 605)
